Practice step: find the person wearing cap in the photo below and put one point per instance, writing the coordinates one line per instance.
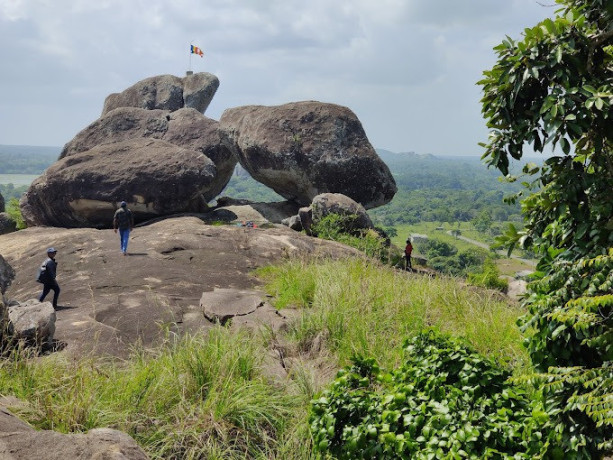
(407, 255)
(124, 221)
(47, 275)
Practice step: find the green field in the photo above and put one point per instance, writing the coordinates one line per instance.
(507, 266)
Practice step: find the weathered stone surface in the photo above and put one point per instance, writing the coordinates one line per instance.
(2, 209)
(303, 149)
(166, 92)
(199, 89)
(336, 203)
(7, 274)
(184, 128)
(259, 212)
(265, 316)
(221, 305)
(293, 222)
(155, 177)
(19, 441)
(109, 301)
(32, 322)
(7, 224)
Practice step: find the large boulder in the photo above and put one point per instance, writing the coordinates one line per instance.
(31, 323)
(155, 177)
(166, 92)
(19, 441)
(355, 215)
(185, 128)
(303, 149)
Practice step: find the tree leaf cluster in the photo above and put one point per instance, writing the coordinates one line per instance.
(554, 87)
(444, 401)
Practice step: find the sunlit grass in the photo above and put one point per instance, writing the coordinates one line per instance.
(365, 308)
(209, 396)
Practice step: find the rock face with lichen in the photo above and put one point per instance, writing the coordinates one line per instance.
(152, 147)
(156, 177)
(166, 92)
(303, 149)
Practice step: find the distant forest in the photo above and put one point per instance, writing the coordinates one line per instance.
(26, 159)
(444, 189)
(430, 188)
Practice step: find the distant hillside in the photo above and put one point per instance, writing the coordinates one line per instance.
(26, 159)
(418, 172)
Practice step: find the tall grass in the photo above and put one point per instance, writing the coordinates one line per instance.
(367, 309)
(210, 397)
(198, 397)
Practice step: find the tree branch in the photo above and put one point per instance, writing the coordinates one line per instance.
(598, 41)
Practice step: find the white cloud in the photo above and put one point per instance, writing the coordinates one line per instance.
(406, 67)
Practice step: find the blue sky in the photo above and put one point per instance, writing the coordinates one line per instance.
(407, 68)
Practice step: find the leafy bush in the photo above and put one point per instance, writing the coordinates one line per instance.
(374, 243)
(570, 322)
(445, 401)
(489, 277)
(14, 212)
(433, 247)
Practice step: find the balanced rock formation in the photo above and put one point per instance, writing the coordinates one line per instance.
(303, 149)
(152, 147)
(185, 127)
(167, 92)
(84, 189)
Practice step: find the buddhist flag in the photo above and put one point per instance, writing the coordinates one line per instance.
(196, 50)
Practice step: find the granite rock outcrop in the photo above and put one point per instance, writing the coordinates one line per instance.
(167, 92)
(84, 189)
(303, 149)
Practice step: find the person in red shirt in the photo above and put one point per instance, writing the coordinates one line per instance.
(407, 255)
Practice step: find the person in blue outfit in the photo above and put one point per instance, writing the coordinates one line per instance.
(47, 276)
(124, 221)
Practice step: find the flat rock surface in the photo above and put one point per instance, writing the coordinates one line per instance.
(109, 302)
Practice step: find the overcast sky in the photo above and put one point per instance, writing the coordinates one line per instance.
(407, 68)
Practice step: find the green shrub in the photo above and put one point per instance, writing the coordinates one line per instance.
(445, 401)
(14, 212)
(570, 327)
(489, 277)
(341, 228)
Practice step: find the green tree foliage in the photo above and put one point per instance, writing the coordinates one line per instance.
(555, 87)
(14, 212)
(445, 401)
(9, 191)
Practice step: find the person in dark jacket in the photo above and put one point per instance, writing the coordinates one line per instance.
(124, 221)
(47, 276)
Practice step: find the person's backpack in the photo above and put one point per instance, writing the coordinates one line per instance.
(42, 276)
(124, 218)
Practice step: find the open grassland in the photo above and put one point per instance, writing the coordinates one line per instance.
(507, 266)
(212, 397)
